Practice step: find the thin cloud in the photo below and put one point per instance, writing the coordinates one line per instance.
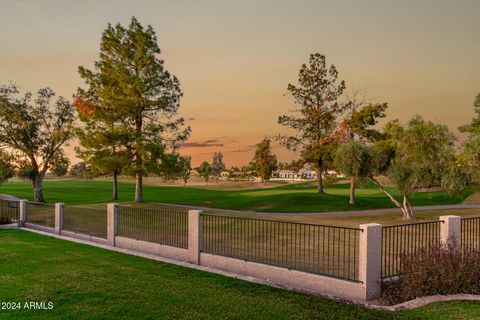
(203, 144)
(247, 149)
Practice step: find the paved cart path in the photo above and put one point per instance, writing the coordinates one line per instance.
(331, 213)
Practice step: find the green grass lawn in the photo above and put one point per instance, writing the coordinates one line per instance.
(287, 198)
(85, 282)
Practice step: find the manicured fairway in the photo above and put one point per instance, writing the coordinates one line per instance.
(90, 283)
(288, 198)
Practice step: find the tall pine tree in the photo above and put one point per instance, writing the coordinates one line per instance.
(131, 80)
(315, 119)
(104, 142)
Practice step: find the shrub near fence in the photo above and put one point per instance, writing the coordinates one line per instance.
(9, 208)
(318, 249)
(89, 221)
(42, 214)
(162, 225)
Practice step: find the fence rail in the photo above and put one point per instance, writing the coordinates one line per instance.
(319, 249)
(89, 221)
(470, 234)
(42, 214)
(163, 225)
(401, 240)
(9, 208)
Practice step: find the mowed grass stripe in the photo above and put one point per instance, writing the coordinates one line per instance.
(287, 198)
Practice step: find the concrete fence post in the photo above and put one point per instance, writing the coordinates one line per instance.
(194, 235)
(59, 217)
(22, 213)
(370, 258)
(450, 231)
(112, 223)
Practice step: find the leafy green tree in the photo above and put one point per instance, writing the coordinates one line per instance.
(171, 167)
(465, 171)
(24, 169)
(265, 161)
(217, 165)
(357, 128)
(294, 165)
(474, 126)
(136, 86)
(7, 169)
(104, 138)
(205, 171)
(185, 168)
(353, 159)
(315, 121)
(60, 165)
(35, 129)
(248, 169)
(414, 156)
(78, 170)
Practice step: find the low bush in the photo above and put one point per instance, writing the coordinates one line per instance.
(441, 269)
(4, 219)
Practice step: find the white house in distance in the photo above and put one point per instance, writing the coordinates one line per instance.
(305, 173)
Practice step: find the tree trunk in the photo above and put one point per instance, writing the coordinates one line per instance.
(115, 185)
(138, 159)
(320, 176)
(139, 188)
(352, 191)
(407, 209)
(37, 188)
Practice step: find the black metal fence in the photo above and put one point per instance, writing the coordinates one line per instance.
(42, 214)
(319, 249)
(89, 221)
(470, 234)
(401, 240)
(10, 209)
(162, 225)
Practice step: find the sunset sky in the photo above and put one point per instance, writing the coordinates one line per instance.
(235, 58)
